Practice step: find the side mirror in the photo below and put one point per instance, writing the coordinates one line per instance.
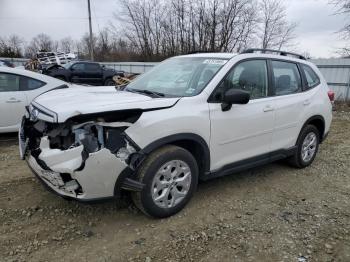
(234, 96)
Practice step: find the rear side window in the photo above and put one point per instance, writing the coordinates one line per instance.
(287, 78)
(92, 67)
(312, 79)
(9, 82)
(27, 84)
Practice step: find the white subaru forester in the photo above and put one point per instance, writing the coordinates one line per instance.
(190, 118)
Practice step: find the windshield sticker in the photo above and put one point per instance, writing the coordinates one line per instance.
(214, 62)
(190, 91)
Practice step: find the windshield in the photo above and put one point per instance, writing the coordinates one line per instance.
(179, 76)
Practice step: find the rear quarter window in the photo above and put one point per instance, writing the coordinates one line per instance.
(312, 78)
(9, 82)
(28, 84)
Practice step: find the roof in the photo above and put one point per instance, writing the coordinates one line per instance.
(31, 74)
(247, 55)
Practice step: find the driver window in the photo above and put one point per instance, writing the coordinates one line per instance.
(250, 76)
(78, 66)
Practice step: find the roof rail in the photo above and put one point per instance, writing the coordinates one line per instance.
(200, 52)
(279, 52)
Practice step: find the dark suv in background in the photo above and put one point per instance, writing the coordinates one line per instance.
(6, 63)
(83, 72)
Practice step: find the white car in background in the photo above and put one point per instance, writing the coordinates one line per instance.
(17, 89)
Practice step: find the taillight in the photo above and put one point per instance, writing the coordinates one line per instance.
(331, 95)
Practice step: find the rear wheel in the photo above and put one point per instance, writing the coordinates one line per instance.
(307, 147)
(170, 176)
(109, 82)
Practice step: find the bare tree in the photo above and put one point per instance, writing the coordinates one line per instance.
(11, 46)
(164, 28)
(66, 44)
(41, 42)
(83, 46)
(236, 23)
(151, 30)
(275, 31)
(343, 8)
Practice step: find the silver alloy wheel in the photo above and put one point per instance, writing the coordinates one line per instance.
(308, 148)
(171, 184)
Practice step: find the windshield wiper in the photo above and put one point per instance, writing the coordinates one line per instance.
(147, 92)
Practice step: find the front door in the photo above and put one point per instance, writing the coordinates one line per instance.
(78, 74)
(244, 131)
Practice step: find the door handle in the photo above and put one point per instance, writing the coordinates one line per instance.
(13, 100)
(306, 102)
(268, 108)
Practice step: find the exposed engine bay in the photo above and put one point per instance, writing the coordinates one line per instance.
(86, 153)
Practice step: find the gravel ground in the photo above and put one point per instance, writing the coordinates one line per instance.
(271, 213)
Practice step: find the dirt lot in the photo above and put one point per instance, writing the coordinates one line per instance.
(272, 213)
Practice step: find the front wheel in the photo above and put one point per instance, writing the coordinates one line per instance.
(307, 147)
(170, 176)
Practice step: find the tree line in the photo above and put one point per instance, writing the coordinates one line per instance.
(151, 30)
(343, 8)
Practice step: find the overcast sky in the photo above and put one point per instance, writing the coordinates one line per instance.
(316, 31)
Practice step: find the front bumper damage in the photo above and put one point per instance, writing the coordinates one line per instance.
(85, 161)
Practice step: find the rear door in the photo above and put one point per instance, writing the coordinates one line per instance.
(78, 74)
(290, 103)
(12, 100)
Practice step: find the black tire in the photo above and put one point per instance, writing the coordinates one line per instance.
(297, 160)
(109, 82)
(143, 200)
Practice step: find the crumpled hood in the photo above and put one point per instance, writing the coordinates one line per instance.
(69, 102)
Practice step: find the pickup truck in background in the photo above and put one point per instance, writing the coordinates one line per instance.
(83, 72)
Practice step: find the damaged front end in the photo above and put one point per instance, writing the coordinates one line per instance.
(84, 157)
